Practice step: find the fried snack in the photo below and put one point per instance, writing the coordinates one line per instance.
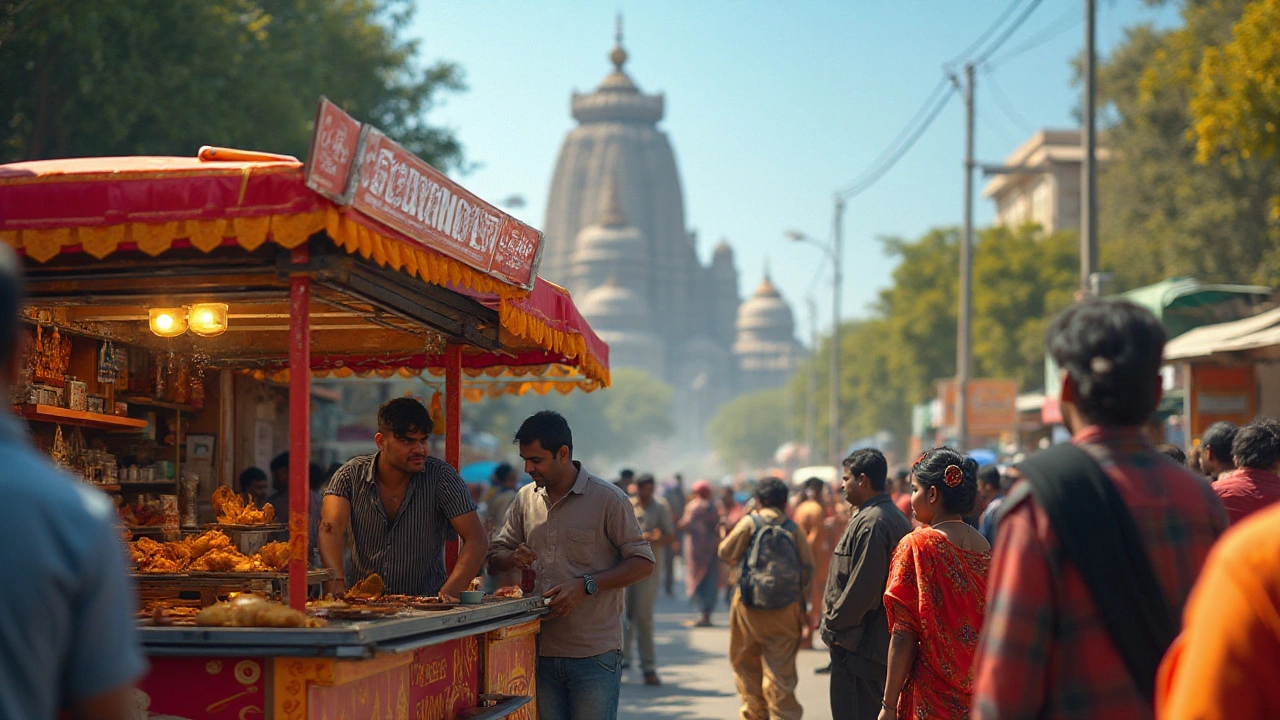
(232, 510)
(254, 611)
(511, 591)
(222, 560)
(201, 545)
(275, 555)
(368, 588)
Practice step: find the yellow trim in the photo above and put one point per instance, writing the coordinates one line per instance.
(292, 230)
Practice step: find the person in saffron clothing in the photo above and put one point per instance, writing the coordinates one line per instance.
(936, 594)
(701, 538)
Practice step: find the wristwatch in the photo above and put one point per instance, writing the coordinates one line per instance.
(590, 584)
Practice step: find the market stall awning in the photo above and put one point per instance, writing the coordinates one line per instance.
(101, 215)
(1252, 333)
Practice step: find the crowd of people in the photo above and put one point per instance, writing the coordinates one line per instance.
(1088, 581)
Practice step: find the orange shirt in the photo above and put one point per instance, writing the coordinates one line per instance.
(1223, 664)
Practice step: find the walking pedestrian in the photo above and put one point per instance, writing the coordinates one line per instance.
(580, 536)
(811, 517)
(68, 639)
(1215, 449)
(675, 497)
(1080, 611)
(658, 528)
(1222, 666)
(936, 594)
(1253, 485)
(504, 484)
(991, 498)
(700, 524)
(855, 626)
(766, 618)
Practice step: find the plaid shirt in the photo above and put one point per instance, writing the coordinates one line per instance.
(1044, 652)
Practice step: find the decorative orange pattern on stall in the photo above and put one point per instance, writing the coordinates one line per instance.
(187, 687)
(510, 660)
(445, 679)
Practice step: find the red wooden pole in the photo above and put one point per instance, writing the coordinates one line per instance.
(299, 428)
(453, 428)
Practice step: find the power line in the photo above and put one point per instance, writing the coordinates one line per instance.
(1006, 107)
(1064, 22)
(985, 34)
(1009, 31)
(904, 133)
(871, 178)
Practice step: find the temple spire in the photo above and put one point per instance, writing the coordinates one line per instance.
(611, 209)
(618, 56)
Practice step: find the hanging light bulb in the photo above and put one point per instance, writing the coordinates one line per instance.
(168, 322)
(208, 319)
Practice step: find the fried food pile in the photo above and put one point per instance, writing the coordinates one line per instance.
(254, 611)
(366, 589)
(232, 510)
(142, 513)
(510, 591)
(211, 551)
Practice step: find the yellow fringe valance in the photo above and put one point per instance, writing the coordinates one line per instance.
(471, 391)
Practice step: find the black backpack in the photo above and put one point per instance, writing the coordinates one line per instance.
(1097, 534)
(771, 572)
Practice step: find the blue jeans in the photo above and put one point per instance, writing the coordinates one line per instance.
(579, 688)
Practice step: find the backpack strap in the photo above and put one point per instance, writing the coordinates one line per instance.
(1097, 534)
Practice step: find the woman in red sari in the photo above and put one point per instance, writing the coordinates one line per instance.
(936, 595)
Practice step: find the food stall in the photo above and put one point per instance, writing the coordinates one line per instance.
(146, 275)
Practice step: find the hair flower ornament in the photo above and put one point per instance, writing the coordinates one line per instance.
(953, 475)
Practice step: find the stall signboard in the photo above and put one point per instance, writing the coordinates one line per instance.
(1221, 392)
(990, 404)
(387, 183)
(333, 148)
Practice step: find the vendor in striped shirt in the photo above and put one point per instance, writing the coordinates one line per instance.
(400, 505)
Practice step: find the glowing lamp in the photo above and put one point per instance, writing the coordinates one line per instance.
(208, 319)
(168, 322)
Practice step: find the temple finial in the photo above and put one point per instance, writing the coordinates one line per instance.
(618, 56)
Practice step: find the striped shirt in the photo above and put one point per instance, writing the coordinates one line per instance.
(408, 552)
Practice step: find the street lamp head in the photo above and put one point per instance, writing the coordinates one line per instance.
(795, 235)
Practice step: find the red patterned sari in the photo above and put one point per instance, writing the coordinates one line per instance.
(938, 592)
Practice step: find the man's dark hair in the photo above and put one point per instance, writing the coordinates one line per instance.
(13, 292)
(1218, 437)
(317, 477)
(627, 474)
(989, 475)
(816, 484)
(869, 462)
(280, 462)
(251, 475)
(549, 428)
(930, 471)
(400, 416)
(646, 479)
(1257, 445)
(1112, 349)
(504, 472)
(1173, 452)
(772, 493)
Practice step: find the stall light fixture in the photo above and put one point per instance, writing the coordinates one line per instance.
(168, 322)
(208, 319)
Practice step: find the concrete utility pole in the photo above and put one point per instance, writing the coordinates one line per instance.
(811, 404)
(1088, 165)
(836, 451)
(964, 351)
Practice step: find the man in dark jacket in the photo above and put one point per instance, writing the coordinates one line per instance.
(854, 625)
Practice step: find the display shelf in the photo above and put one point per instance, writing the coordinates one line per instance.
(53, 414)
(150, 402)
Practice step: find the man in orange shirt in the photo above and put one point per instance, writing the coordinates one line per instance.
(811, 516)
(1223, 664)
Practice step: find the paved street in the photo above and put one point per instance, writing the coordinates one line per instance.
(697, 683)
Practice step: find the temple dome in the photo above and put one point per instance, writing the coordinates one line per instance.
(608, 246)
(766, 314)
(614, 307)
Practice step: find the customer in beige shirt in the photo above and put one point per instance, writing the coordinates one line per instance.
(580, 536)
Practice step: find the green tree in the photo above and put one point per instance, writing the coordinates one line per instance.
(1236, 106)
(122, 77)
(1162, 213)
(746, 431)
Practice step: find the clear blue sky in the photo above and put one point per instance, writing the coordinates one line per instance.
(771, 106)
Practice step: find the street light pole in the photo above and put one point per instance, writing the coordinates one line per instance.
(964, 352)
(837, 241)
(1088, 168)
(811, 404)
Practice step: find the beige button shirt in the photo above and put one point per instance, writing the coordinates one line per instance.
(591, 529)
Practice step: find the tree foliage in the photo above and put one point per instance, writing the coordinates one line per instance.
(1161, 212)
(123, 77)
(746, 431)
(889, 362)
(1236, 105)
(608, 425)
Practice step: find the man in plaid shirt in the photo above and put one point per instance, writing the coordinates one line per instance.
(1044, 652)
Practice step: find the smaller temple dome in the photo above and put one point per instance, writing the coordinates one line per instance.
(722, 250)
(608, 245)
(613, 307)
(766, 314)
